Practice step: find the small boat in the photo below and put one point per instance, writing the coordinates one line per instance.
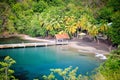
(101, 56)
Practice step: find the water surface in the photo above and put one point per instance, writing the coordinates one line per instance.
(35, 62)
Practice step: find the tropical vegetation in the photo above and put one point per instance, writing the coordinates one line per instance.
(46, 18)
(49, 17)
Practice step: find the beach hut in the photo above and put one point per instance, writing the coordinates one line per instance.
(62, 37)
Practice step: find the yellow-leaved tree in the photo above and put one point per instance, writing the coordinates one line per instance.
(5, 72)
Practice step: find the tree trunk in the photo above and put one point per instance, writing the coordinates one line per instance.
(6, 73)
(110, 47)
(98, 42)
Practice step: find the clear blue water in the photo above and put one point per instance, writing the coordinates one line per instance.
(35, 62)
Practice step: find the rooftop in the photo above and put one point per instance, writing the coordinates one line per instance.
(62, 36)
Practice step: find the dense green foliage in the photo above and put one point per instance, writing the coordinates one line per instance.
(66, 74)
(5, 72)
(48, 17)
(111, 68)
(111, 13)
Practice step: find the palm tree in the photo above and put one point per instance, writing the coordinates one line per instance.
(71, 29)
(70, 25)
(94, 31)
(103, 27)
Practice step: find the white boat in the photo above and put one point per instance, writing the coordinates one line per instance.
(101, 56)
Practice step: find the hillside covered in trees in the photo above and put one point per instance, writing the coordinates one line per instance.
(49, 17)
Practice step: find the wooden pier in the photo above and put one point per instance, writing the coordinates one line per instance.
(23, 45)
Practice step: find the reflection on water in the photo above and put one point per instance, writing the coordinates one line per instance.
(21, 74)
(35, 62)
(2, 57)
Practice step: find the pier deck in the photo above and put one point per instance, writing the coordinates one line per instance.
(20, 45)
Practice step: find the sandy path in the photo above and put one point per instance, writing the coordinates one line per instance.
(26, 37)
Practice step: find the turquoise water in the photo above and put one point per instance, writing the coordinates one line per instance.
(35, 62)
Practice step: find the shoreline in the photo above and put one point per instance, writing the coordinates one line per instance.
(79, 45)
(87, 49)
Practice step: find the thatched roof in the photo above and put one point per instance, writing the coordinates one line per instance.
(62, 36)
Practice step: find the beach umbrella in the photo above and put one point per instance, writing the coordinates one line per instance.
(82, 34)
